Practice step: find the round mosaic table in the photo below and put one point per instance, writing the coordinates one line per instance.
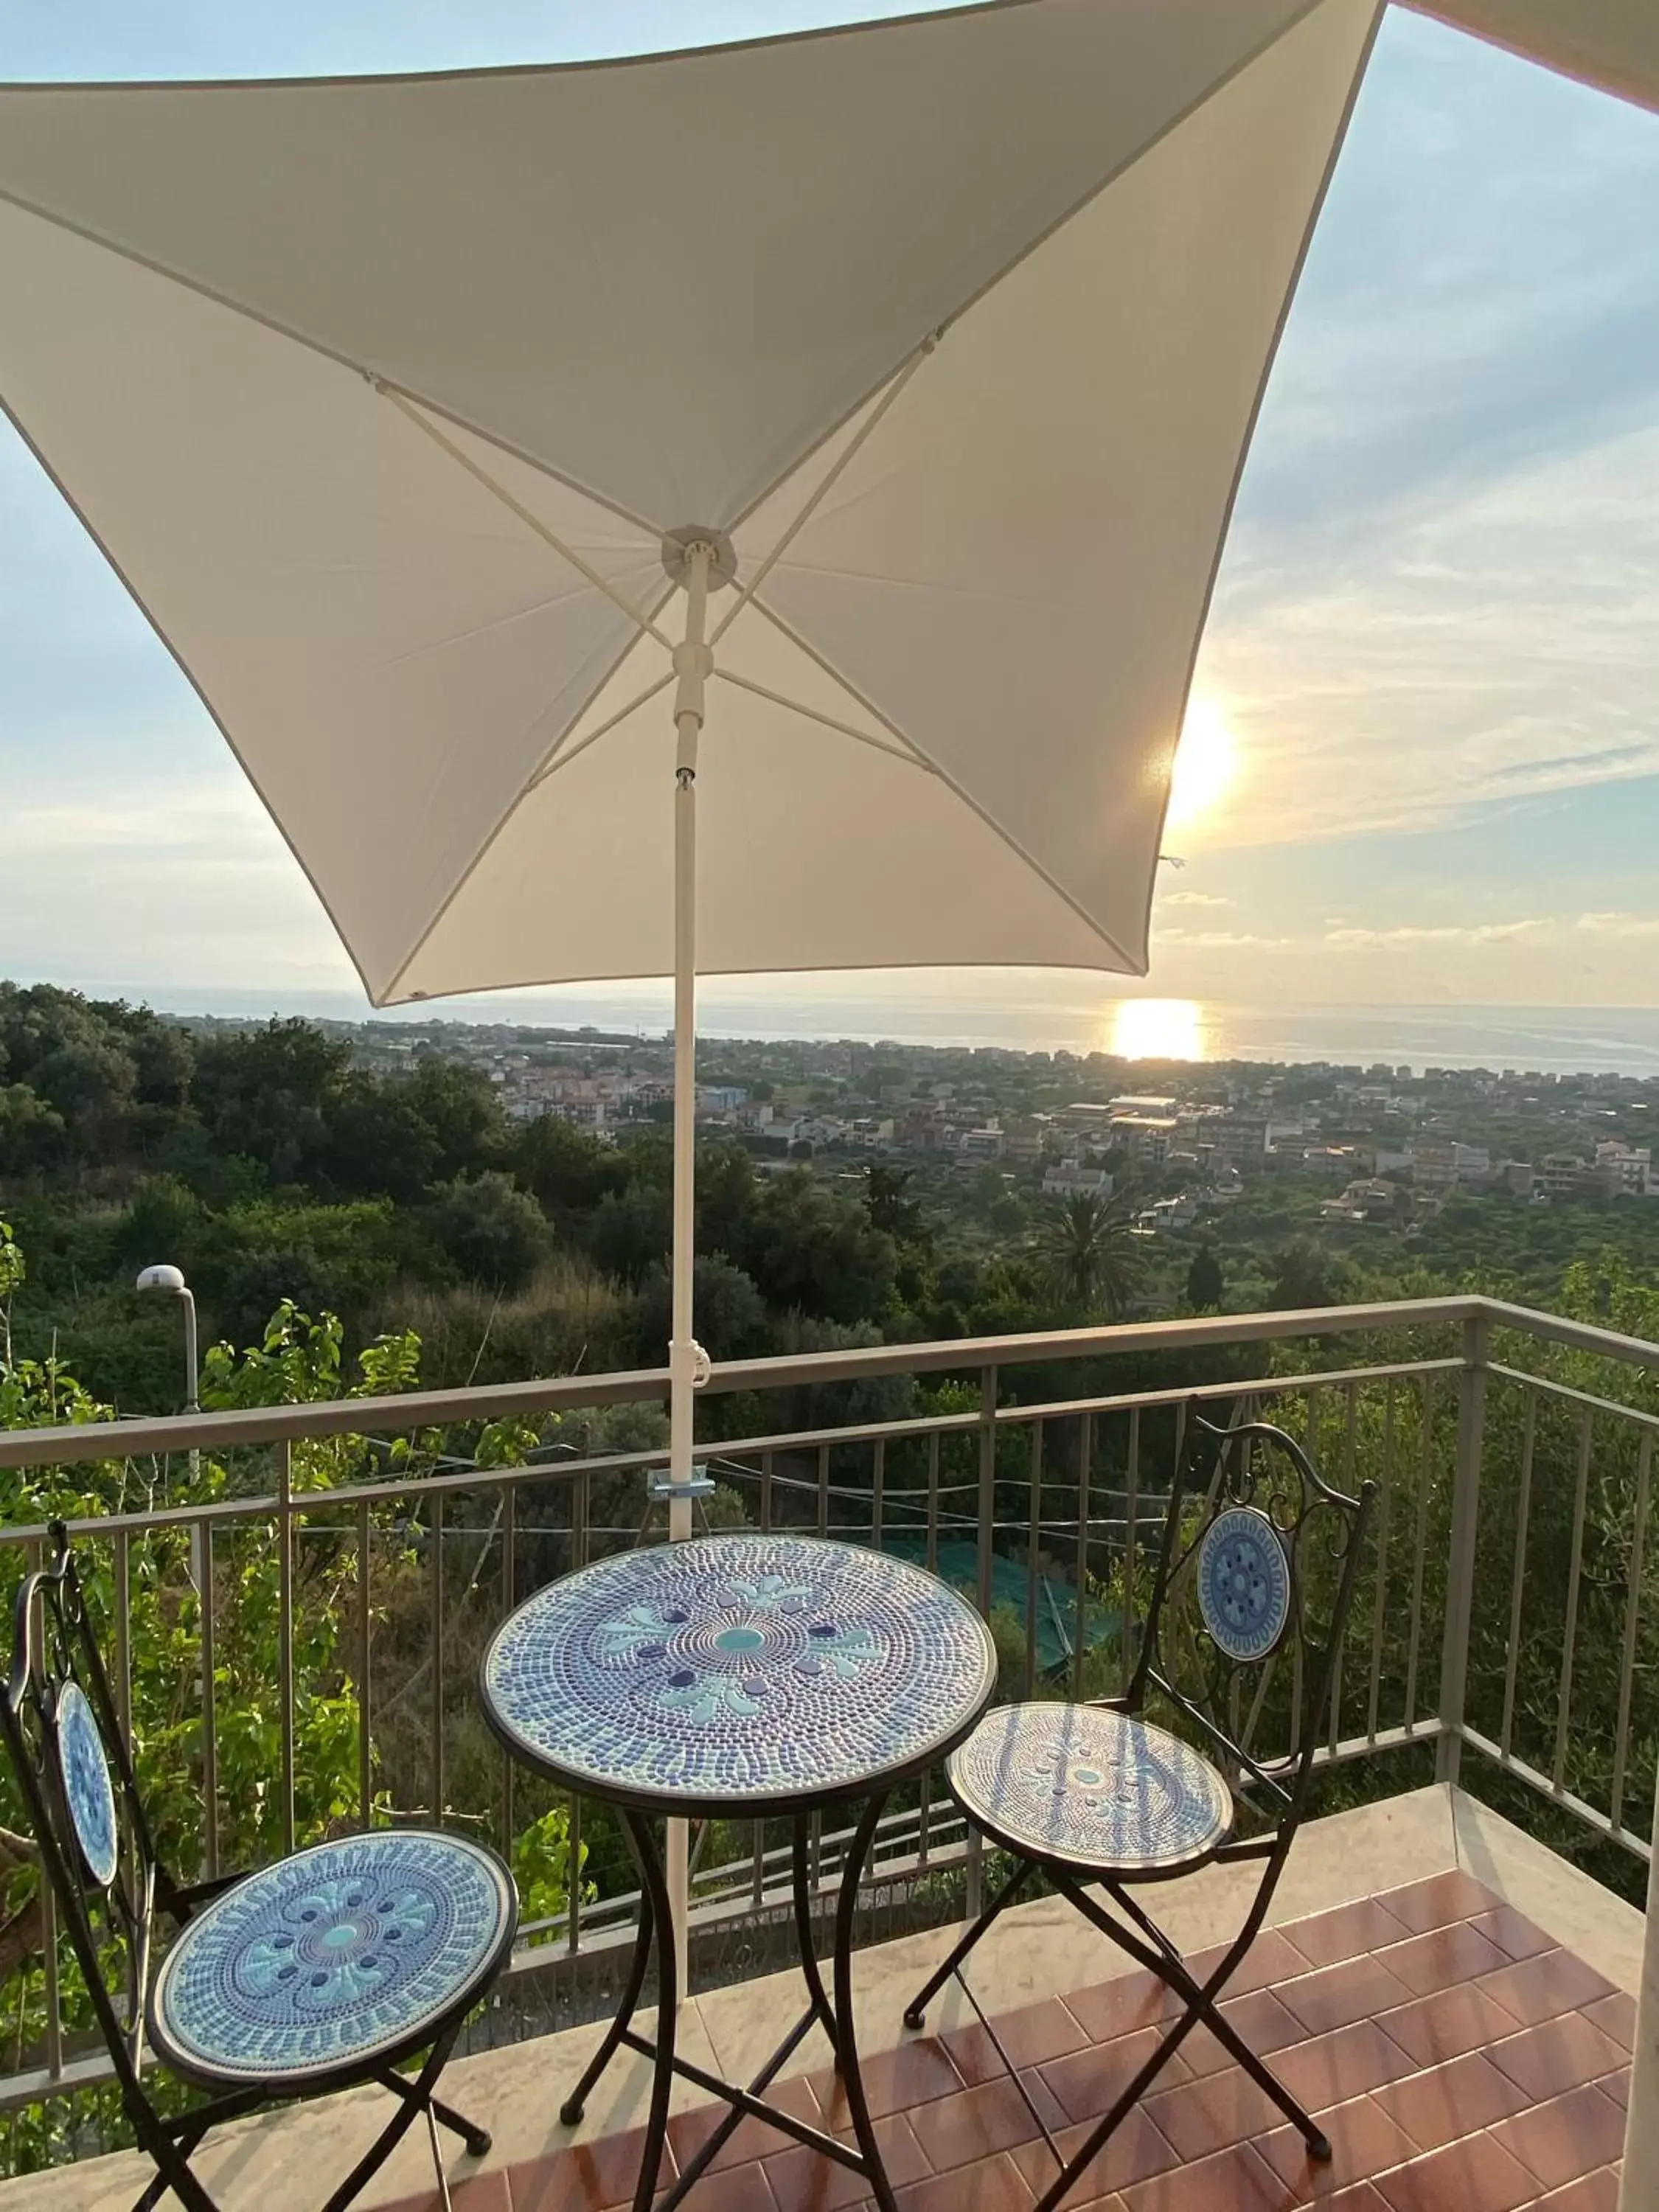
(739, 1676)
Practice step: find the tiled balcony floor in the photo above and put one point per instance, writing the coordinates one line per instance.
(1446, 1993)
(1458, 2058)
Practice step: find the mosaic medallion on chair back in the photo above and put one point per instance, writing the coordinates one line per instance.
(1243, 1583)
(89, 1796)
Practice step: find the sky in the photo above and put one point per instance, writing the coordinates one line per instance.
(1423, 752)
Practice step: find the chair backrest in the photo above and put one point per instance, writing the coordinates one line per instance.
(1255, 1582)
(58, 1716)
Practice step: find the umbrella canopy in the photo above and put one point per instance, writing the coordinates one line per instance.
(1610, 44)
(931, 349)
(382, 395)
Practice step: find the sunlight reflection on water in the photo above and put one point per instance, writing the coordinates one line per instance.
(1159, 1029)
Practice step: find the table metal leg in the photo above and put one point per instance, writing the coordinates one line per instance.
(571, 2111)
(837, 2020)
(804, 1941)
(655, 1891)
(846, 2042)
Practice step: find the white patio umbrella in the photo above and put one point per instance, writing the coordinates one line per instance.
(841, 429)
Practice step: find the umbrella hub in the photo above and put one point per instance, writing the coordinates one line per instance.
(678, 546)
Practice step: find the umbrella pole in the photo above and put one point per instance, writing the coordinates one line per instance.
(687, 1362)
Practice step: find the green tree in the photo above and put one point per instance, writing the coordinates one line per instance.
(890, 1207)
(1304, 1275)
(1087, 1255)
(1206, 1286)
(268, 1094)
(731, 1317)
(567, 1170)
(494, 1233)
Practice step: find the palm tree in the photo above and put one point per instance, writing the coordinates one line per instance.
(1088, 1255)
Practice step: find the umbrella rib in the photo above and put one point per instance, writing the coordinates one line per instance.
(515, 506)
(746, 591)
(910, 759)
(1131, 967)
(558, 758)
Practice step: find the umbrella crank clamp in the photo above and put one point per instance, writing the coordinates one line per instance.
(662, 1488)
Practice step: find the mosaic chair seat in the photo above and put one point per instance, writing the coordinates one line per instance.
(340, 1964)
(1245, 1619)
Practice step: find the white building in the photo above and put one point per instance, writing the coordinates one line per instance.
(1066, 1180)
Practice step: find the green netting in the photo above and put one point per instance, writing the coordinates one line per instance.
(1056, 1600)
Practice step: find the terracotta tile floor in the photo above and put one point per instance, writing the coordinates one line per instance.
(1459, 2061)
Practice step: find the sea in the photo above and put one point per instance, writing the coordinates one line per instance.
(1019, 1012)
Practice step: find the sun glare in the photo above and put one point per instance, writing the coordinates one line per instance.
(1206, 764)
(1158, 1028)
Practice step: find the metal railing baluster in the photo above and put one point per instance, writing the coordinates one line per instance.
(1517, 1578)
(1420, 1549)
(436, 1544)
(209, 1711)
(987, 1484)
(1627, 1661)
(1033, 1558)
(1574, 1575)
(121, 1682)
(1380, 1600)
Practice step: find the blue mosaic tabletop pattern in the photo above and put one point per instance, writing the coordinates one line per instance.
(89, 1796)
(1243, 1583)
(739, 1669)
(1099, 1788)
(332, 1957)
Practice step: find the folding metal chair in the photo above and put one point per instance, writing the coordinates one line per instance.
(334, 1968)
(1255, 1579)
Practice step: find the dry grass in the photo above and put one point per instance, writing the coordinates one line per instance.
(571, 1320)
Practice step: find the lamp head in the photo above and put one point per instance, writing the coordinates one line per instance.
(170, 1279)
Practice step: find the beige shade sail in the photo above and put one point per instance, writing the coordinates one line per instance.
(1610, 44)
(382, 394)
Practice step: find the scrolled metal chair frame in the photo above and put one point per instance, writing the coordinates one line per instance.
(54, 1644)
(1280, 1479)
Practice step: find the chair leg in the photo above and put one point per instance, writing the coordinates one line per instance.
(414, 2099)
(1160, 1957)
(476, 2139)
(915, 2012)
(438, 2160)
(171, 2148)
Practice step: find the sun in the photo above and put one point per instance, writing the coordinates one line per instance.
(1206, 764)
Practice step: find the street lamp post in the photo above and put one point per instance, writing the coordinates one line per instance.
(170, 1282)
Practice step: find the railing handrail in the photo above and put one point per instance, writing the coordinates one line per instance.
(69, 1442)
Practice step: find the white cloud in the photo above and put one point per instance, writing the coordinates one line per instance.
(1619, 924)
(1498, 648)
(1211, 939)
(1349, 936)
(150, 882)
(191, 816)
(1192, 898)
